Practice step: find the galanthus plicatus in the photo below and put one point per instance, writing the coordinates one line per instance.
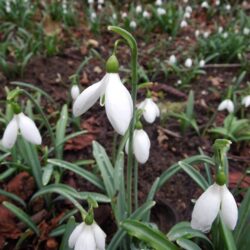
(215, 200)
(27, 128)
(117, 99)
(87, 237)
(141, 145)
(150, 110)
(226, 104)
(246, 101)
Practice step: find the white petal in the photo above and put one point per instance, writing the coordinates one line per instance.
(28, 129)
(118, 104)
(151, 111)
(100, 237)
(141, 145)
(246, 101)
(229, 210)
(226, 104)
(75, 91)
(86, 240)
(127, 146)
(10, 134)
(206, 208)
(88, 97)
(75, 235)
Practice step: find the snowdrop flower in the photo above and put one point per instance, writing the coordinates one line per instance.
(141, 145)
(87, 237)
(216, 199)
(75, 91)
(185, 1)
(197, 33)
(220, 29)
(217, 2)
(93, 16)
(114, 16)
(188, 63)
(138, 9)
(228, 7)
(225, 35)
(183, 24)
(158, 2)
(206, 34)
(146, 14)
(172, 60)
(226, 104)
(7, 7)
(124, 15)
(187, 15)
(90, 2)
(246, 31)
(132, 24)
(202, 63)
(150, 110)
(246, 101)
(27, 128)
(100, 1)
(205, 5)
(188, 9)
(161, 11)
(118, 102)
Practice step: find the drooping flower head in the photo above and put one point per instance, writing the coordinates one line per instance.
(87, 237)
(26, 126)
(75, 92)
(150, 110)
(215, 200)
(226, 104)
(246, 101)
(118, 102)
(141, 144)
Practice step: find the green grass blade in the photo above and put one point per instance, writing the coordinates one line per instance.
(13, 197)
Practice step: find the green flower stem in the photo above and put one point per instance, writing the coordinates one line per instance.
(136, 184)
(134, 54)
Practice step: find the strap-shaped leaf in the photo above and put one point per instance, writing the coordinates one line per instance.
(121, 233)
(153, 237)
(187, 244)
(194, 174)
(106, 168)
(80, 171)
(13, 197)
(21, 215)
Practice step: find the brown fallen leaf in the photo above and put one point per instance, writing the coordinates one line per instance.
(79, 142)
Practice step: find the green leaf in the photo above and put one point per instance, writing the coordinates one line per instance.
(30, 156)
(66, 191)
(241, 233)
(21, 215)
(187, 244)
(80, 171)
(194, 174)
(153, 237)
(106, 168)
(33, 87)
(121, 233)
(13, 197)
(61, 126)
(118, 171)
(71, 224)
(184, 230)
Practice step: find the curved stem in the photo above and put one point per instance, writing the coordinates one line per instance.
(134, 54)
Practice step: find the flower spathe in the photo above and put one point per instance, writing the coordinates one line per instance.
(118, 102)
(226, 104)
(216, 199)
(87, 237)
(141, 145)
(150, 110)
(75, 92)
(27, 128)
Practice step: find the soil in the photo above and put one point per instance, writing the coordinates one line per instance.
(168, 146)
